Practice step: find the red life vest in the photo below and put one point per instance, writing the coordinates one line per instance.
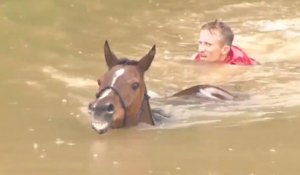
(235, 56)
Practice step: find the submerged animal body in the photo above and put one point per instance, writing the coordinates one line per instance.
(122, 98)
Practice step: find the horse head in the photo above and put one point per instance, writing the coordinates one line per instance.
(122, 98)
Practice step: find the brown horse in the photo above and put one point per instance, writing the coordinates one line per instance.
(122, 98)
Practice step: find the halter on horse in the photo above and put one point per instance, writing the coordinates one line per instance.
(122, 99)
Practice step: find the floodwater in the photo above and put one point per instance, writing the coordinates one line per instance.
(51, 53)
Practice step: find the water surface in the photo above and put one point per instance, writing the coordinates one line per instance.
(52, 53)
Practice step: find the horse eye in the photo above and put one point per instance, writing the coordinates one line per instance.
(135, 85)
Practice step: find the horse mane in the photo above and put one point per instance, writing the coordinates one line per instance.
(126, 61)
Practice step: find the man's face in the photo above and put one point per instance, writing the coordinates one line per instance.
(211, 46)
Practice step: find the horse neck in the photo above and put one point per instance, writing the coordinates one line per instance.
(140, 112)
(146, 114)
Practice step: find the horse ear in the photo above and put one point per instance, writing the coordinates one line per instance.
(146, 61)
(110, 57)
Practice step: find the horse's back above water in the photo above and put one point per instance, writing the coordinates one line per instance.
(205, 91)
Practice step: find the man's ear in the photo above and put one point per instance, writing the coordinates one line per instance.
(225, 49)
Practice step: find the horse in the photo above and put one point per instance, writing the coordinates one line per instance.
(122, 99)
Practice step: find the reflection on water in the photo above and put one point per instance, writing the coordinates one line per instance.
(51, 54)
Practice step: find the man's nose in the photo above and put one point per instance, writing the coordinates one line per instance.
(201, 47)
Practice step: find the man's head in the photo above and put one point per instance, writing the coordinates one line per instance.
(215, 41)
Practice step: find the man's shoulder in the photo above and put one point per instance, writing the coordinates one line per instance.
(239, 56)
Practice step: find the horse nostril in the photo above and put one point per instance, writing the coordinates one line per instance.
(110, 108)
(91, 106)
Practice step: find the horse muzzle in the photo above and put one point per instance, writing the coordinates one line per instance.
(100, 127)
(102, 116)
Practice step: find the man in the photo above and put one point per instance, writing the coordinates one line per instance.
(215, 45)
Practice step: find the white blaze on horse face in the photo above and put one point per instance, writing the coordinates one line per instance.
(106, 92)
(118, 73)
